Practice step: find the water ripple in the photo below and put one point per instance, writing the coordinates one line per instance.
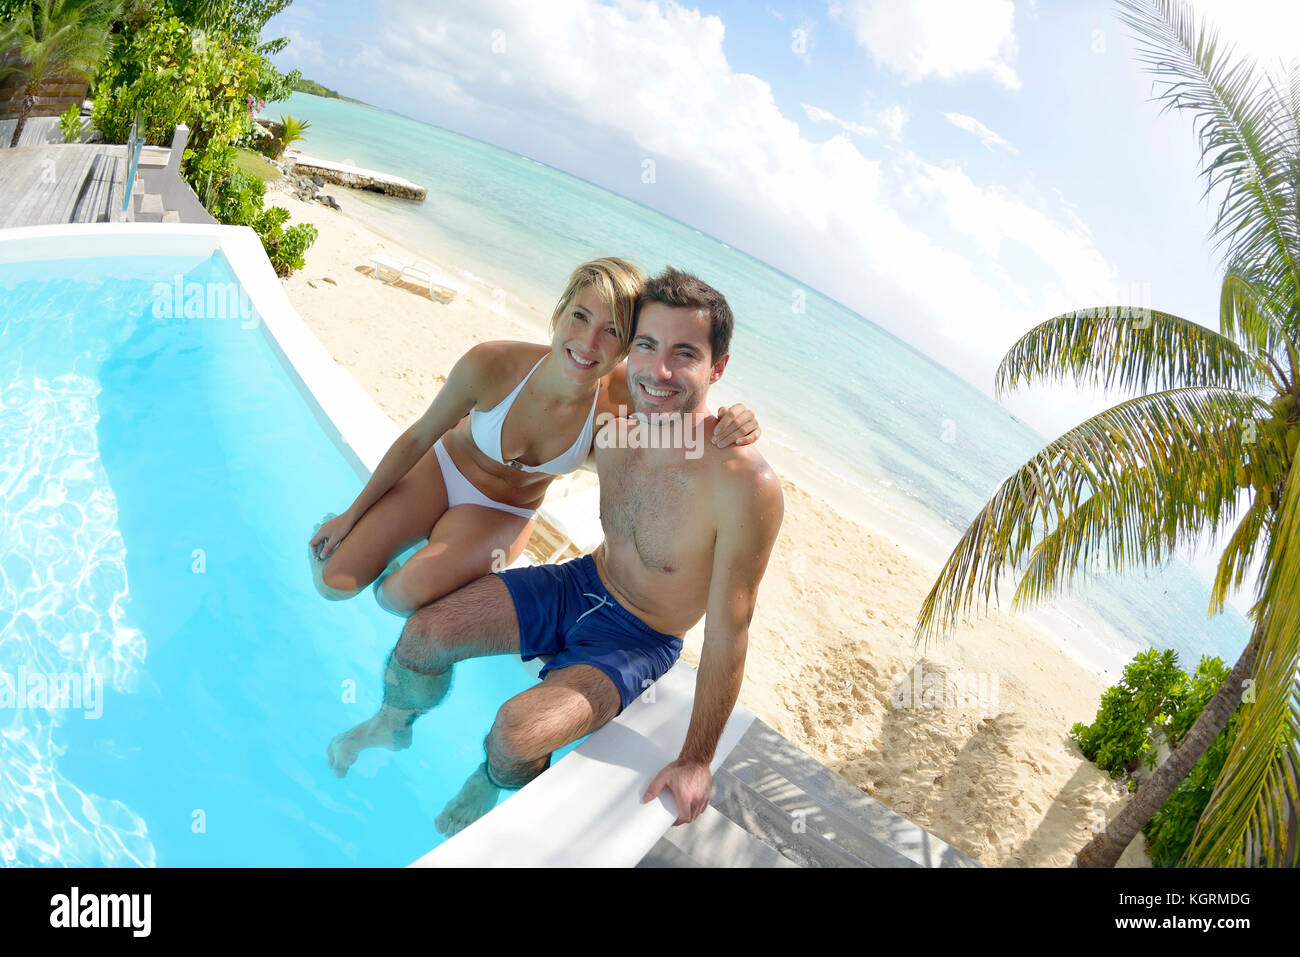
(63, 589)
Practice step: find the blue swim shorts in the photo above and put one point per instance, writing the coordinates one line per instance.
(565, 611)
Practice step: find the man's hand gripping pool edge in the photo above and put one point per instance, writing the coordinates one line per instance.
(691, 784)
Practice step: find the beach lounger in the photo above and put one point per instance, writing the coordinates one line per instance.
(577, 520)
(420, 272)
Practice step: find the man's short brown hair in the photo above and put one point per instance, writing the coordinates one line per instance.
(672, 287)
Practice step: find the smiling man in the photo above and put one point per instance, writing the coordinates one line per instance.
(689, 528)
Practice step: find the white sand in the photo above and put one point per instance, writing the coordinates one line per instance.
(830, 643)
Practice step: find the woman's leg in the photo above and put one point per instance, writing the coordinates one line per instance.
(468, 542)
(400, 519)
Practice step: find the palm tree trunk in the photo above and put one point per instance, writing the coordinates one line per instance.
(29, 104)
(1105, 849)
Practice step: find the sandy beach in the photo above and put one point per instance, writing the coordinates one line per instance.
(986, 764)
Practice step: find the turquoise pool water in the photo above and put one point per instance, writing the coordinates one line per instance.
(158, 482)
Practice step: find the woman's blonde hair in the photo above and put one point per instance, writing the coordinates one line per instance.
(617, 282)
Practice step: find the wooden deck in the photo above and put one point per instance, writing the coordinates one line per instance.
(75, 183)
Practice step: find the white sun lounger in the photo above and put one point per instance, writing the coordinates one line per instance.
(421, 272)
(577, 518)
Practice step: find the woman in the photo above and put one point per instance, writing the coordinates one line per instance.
(463, 476)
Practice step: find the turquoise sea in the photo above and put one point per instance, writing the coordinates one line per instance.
(839, 396)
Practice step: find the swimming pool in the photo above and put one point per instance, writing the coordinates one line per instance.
(177, 677)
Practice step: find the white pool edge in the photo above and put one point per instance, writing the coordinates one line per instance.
(586, 810)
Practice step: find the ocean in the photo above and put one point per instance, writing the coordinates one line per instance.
(845, 405)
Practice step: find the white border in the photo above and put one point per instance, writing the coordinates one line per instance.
(584, 811)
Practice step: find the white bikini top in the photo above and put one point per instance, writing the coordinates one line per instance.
(486, 427)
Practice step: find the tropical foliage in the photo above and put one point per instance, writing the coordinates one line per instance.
(1207, 443)
(50, 38)
(316, 89)
(169, 73)
(1172, 826)
(291, 131)
(241, 20)
(166, 62)
(70, 124)
(203, 64)
(235, 198)
(1133, 714)
(1154, 706)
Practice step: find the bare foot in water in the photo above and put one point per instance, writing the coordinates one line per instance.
(476, 798)
(390, 729)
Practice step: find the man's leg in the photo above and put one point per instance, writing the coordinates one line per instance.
(472, 622)
(570, 703)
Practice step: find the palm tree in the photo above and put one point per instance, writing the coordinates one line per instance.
(53, 37)
(1211, 433)
(291, 131)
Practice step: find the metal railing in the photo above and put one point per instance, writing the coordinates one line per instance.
(134, 144)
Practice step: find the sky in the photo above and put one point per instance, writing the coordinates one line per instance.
(957, 171)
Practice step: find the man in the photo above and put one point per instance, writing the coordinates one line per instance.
(689, 528)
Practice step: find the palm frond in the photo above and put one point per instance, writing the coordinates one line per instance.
(1247, 539)
(1250, 819)
(1139, 517)
(1130, 348)
(1242, 126)
(1291, 93)
(1135, 462)
(1253, 314)
(54, 38)
(1076, 540)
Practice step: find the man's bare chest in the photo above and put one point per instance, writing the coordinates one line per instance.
(659, 509)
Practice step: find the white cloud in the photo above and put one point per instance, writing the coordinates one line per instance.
(986, 135)
(818, 115)
(993, 217)
(305, 50)
(946, 39)
(892, 119)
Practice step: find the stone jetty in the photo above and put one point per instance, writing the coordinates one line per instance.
(353, 176)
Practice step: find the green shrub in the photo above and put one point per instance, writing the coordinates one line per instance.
(1171, 827)
(1157, 701)
(1153, 687)
(1210, 675)
(284, 247)
(70, 124)
(263, 145)
(236, 199)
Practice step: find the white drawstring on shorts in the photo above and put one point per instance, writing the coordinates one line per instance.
(604, 600)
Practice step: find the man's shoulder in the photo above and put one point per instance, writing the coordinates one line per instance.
(746, 478)
(741, 463)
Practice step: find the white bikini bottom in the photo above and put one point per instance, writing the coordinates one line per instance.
(461, 491)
